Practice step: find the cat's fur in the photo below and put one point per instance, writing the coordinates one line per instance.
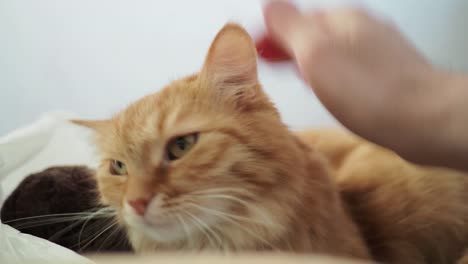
(250, 184)
(407, 213)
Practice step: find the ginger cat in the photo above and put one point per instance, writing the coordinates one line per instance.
(207, 165)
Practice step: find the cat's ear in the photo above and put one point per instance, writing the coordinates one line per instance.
(231, 63)
(96, 125)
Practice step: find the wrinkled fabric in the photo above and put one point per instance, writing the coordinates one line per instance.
(50, 141)
(18, 248)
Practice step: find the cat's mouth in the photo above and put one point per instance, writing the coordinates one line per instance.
(163, 228)
(186, 218)
(166, 227)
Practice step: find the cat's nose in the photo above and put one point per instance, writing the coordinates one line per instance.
(140, 205)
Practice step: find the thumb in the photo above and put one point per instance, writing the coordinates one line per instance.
(282, 20)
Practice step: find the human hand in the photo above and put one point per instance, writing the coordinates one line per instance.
(366, 74)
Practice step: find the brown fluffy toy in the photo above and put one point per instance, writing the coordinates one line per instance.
(60, 204)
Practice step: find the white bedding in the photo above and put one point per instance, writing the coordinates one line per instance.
(50, 141)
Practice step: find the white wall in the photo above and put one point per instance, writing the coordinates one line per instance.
(93, 57)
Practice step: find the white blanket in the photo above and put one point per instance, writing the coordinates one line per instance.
(50, 141)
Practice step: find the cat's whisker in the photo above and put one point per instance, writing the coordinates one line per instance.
(98, 212)
(53, 219)
(228, 197)
(116, 229)
(186, 230)
(246, 230)
(123, 239)
(222, 190)
(91, 231)
(113, 224)
(48, 215)
(237, 217)
(44, 222)
(247, 205)
(197, 225)
(49, 219)
(207, 231)
(63, 231)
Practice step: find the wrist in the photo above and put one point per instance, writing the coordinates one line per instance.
(436, 132)
(446, 120)
(454, 136)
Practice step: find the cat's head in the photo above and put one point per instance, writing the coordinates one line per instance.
(206, 160)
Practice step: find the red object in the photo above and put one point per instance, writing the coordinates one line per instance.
(270, 50)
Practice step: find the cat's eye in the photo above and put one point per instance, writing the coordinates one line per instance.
(117, 168)
(180, 146)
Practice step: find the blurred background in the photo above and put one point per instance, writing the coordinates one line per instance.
(93, 57)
